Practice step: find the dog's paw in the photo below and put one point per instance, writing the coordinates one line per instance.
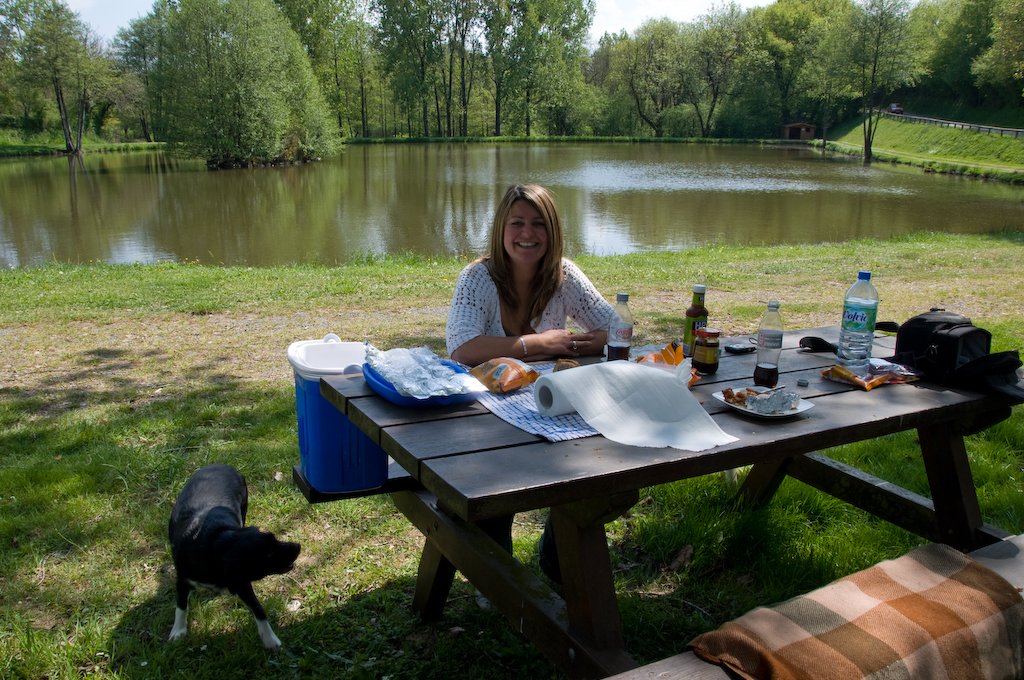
(270, 641)
(180, 627)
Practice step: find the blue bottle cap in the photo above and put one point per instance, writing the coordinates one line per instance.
(864, 276)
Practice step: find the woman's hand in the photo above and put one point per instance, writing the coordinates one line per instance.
(559, 342)
(550, 344)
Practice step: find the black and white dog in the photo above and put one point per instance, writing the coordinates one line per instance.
(212, 546)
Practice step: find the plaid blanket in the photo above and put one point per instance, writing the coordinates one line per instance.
(520, 409)
(933, 614)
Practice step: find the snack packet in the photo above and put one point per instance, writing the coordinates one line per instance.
(504, 375)
(842, 374)
(671, 354)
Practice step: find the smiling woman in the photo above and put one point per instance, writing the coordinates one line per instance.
(515, 301)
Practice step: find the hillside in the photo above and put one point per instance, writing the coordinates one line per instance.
(937, 148)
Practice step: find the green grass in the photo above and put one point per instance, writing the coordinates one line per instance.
(119, 381)
(14, 143)
(939, 149)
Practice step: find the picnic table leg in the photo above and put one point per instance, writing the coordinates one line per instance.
(433, 582)
(585, 564)
(534, 609)
(761, 483)
(957, 514)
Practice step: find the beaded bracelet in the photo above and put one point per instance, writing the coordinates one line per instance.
(523, 343)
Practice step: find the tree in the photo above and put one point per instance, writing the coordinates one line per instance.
(615, 112)
(825, 78)
(139, 50)
(551, 53)
(882, 56)
(646, 67)
(10, 36)
(364, 68)
(533, 47)
(337, 41)
(783, 36)
(409, 34)
(712, 47)
(951, 35)
(499, 32)
(1003, 61)
(599, 65)
(60, 50)
(240, 84)
(463, 22)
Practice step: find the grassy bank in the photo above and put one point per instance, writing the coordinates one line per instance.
(118, 381)
(15, 144)
(939, 149)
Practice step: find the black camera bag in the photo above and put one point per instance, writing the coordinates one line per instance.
(938, 342)
(945, 347)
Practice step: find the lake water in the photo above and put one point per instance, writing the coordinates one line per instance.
(439, 199)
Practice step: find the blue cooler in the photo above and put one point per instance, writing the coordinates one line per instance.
(334, 455)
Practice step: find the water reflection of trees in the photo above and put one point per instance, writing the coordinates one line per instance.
(439, 200)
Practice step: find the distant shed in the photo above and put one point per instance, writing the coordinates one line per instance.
(798, 131)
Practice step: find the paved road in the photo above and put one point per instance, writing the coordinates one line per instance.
(988, 129)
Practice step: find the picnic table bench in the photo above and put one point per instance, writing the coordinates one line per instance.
(458, 465)
(1005, 558)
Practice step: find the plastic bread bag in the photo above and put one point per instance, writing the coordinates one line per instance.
(418, 372)
(670, 357)
(687, 373)
(504, 375)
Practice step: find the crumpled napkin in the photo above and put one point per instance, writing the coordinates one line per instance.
(419, 373)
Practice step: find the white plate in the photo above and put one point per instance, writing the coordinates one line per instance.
(802, 405)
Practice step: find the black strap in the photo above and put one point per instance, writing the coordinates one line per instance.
(813, 343)
(993, 374)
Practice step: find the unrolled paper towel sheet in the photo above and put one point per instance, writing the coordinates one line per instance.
(631, 404)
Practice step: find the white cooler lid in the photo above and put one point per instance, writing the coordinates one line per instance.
(330, 356)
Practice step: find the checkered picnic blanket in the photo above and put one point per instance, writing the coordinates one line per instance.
(933, 614)
(520, 409)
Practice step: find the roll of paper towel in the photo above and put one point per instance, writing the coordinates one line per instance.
(630, 404)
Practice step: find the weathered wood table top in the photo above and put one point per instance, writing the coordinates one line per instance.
(470, 465)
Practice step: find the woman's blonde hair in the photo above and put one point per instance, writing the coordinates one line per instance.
(549, 273)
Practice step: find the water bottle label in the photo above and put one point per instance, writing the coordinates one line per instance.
(859, 318)
(769, 339)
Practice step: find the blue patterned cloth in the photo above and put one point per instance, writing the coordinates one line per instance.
(520, 409)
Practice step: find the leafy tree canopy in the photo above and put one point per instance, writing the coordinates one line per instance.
(240, 88)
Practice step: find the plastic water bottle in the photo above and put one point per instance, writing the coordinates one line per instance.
(769, 347)
(620, 329)
(858, 328)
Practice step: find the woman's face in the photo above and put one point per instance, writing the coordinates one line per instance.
(526, 235)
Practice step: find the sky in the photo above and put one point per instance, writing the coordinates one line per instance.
(107, 16)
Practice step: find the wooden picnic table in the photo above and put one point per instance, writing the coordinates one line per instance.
(457, 465)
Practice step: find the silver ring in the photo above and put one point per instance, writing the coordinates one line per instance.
(574, 346)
